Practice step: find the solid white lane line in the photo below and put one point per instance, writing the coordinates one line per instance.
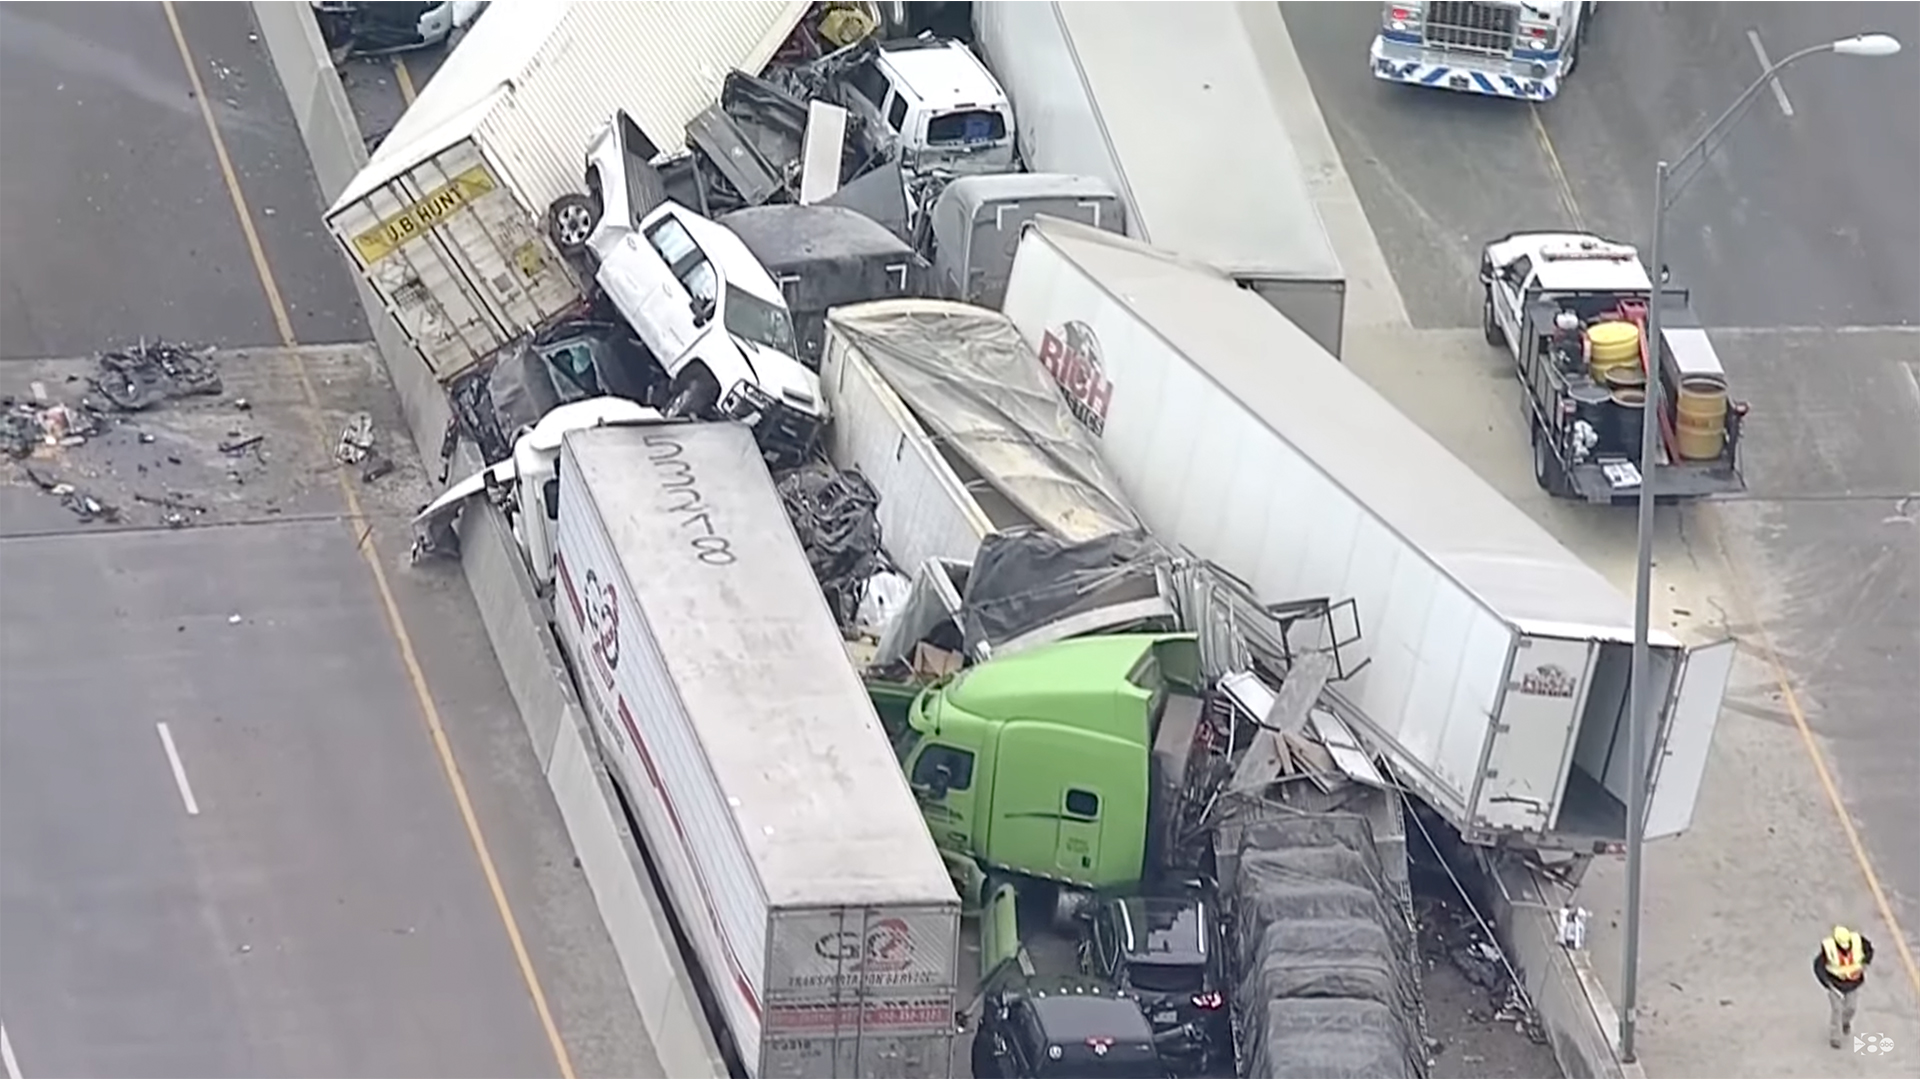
(6, 1055)
(179, 770)
(1779, 92)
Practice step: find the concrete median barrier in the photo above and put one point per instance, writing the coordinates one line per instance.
(513, 614)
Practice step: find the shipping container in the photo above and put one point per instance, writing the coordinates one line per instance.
(1168, 103)
(445, 220)
(1495, 661)
(763, 784)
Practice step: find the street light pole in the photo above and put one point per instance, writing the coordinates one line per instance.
(1640, 722)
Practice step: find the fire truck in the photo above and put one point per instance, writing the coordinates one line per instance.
(1500, 48)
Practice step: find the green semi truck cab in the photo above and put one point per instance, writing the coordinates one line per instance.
(1039, 764)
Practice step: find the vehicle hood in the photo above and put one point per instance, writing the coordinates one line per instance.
(783, 377)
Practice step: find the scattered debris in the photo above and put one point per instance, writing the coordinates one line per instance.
(30, 424)
(145, 375)
(356, 441)
(233, 620)
(84, 506)
(237, 443)
(833, 514)
(243, 404)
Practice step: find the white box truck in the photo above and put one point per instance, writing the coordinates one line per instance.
(985, 464)
(1496, 662)
(779, 822)
(444, 220)
(1168, 104)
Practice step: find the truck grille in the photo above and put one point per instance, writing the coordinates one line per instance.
(1470, 27)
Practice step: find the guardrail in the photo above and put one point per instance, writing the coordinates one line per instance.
(512, 612)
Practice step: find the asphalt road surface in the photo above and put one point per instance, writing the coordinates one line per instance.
(1801, 243)
(263, 811)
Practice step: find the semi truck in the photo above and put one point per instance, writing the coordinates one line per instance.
(1498, 48)
(1494, 669)
(1167, 104)
(750, 755)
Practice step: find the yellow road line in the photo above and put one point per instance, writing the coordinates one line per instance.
(405, 78)
(1768, 651)
(1564, 188)
(363, 529)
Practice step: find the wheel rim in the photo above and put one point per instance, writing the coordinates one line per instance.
(573, 223)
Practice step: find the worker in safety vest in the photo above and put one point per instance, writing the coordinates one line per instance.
(1841, 967)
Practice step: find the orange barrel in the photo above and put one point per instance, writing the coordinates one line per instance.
(1612, 344)
(1700, 417)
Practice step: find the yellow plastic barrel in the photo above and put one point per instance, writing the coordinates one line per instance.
(1700, 417)
(1612, 344)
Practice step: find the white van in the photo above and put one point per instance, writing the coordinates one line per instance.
(938, 102)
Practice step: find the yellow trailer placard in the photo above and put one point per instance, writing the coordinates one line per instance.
(440, 203)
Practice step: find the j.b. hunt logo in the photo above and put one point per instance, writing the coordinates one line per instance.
(1071, 355)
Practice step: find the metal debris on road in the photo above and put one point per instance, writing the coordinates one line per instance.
(147, 374)
(26, 425)
(84, 506)
(356, 441)
(833, 513)
(237, 443)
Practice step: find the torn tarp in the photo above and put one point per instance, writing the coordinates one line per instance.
(1328, 984)
(1023, 582)
(982, 393)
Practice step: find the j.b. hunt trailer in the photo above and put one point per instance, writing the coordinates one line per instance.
(1496, 662)
(781, 827)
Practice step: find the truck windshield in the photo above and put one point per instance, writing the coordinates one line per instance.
(904, 743)
(764, 324)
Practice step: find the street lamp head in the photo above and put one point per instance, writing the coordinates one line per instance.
(1867, 45)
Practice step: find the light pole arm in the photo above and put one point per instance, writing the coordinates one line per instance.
(1727, 118)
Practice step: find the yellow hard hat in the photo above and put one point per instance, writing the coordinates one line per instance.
(1842, 936)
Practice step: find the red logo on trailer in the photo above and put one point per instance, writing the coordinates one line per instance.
(887, 947)
(602, 605)
(1072, 356)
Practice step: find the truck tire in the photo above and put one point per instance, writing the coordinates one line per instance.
(1546, 468)
(1489, 324)
(570, 220)
(693, 395)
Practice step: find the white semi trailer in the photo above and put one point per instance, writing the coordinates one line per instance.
(1495, 661)
(1168, 104)
(781, 827)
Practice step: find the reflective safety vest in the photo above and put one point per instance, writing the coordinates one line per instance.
(1842, 963)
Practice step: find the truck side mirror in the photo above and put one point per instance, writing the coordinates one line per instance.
(702, 311)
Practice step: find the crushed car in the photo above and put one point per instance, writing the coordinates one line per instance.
(702, 306)
(380, 29)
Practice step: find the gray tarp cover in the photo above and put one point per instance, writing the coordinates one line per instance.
(980, 391)
(1023, 581)
(1326, 988)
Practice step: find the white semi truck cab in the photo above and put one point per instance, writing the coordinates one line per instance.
(1500, 48)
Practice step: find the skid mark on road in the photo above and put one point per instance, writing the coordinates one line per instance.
(363, 532)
